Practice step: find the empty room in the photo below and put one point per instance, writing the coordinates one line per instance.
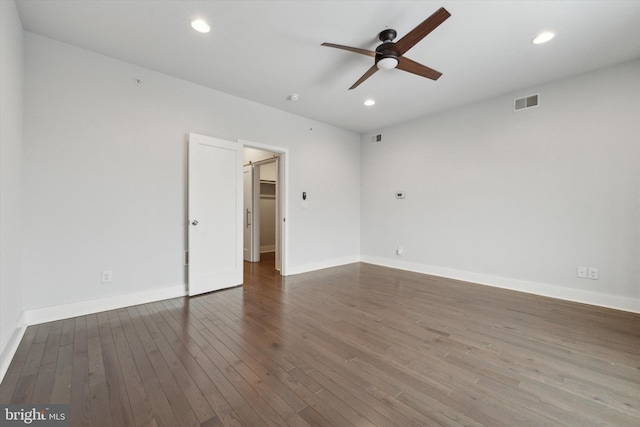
(319, 213)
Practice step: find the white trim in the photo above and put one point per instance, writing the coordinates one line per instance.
(82, 308)
(267, 248)
(11, 346)
(336, 262)
(568, 294)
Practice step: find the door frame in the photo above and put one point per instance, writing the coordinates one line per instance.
(282, 209)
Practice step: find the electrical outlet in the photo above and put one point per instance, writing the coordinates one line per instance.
(107, 276)
(582, 272)
(400, 250)
(593, 273)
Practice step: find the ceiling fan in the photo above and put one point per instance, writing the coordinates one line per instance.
(390, 55)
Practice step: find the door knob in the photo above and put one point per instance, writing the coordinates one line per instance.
(195, 222)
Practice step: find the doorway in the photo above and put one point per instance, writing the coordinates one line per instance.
(214, 257)
(263, 213)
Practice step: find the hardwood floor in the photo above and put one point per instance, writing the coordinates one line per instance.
(357, 345)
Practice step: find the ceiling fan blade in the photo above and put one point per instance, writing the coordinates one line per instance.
(350, 49)
(406, 64)
(421, 31)
(365, 76)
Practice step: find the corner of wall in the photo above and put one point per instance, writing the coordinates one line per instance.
(11, 346)
(12, 319)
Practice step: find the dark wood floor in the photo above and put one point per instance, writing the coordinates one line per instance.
(355, 345)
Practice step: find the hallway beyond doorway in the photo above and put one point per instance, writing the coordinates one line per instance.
(263, 271)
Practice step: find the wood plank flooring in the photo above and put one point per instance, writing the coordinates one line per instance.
(357, 345)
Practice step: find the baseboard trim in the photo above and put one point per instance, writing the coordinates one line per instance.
(10, 348)
(568, 294)
(82, 308)
(336, 262)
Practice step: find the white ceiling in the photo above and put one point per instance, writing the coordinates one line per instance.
(266, 50)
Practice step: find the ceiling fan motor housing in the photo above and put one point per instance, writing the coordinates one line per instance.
(387, 54)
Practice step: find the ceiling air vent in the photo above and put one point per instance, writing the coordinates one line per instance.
(376, 138)
(526, 102)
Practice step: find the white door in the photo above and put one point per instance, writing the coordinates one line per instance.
(251, 213)
(215, 214)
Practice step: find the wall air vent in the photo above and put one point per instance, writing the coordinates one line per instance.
(376, 138)
(526, 102)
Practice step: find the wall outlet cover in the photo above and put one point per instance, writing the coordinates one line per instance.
(107, 276)
(582, 272)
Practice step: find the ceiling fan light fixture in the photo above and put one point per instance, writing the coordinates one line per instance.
(388, 63)
(200, 26)
(543, 37)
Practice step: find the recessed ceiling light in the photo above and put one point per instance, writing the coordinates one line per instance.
(369, 102)
(200, 26)
(543, 37)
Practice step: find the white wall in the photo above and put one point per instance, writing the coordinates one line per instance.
(267, 224)
(105, 176)
(269, 172)
(516, 199)
(11, 122)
